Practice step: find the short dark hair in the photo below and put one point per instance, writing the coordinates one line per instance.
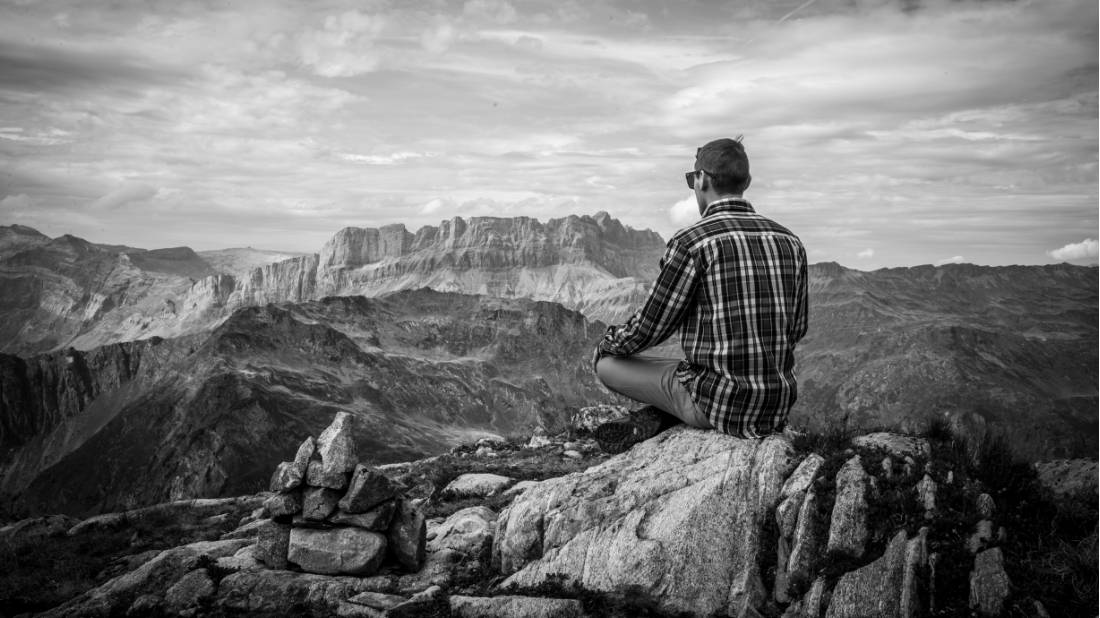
(725, 161)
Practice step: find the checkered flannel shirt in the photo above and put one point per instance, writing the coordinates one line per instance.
(734, 284)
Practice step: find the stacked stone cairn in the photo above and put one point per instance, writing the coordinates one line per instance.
(332, 515)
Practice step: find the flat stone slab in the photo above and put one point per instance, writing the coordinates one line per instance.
(477, 485)
(349, 551)
(898, 445)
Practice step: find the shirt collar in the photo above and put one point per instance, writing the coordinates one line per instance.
(728, 204)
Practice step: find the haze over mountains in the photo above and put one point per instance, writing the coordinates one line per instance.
(99, 412)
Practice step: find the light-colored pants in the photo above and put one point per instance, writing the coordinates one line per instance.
(651, 380)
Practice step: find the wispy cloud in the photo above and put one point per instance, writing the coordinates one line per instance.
(273, 124)
(955, 259)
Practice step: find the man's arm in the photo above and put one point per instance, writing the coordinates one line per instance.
(801, 300)
(662, 313)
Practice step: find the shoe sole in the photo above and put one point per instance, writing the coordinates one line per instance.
(617, 436)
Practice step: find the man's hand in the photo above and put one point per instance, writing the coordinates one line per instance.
(596, 356)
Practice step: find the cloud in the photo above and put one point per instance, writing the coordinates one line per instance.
(386, 159)
(130, 192)
(343, 46)
(438, 38)
(15, 203)
(866, 254)
(955, 259)
(685, 212)
(1084, 250)
(498, 11)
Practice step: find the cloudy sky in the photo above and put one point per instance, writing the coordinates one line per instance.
(884, 133)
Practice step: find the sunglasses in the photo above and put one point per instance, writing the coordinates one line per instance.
(690, 177)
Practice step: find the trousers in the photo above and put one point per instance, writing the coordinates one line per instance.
(651, 380)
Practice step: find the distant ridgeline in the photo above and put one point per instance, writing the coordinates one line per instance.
(167, 368)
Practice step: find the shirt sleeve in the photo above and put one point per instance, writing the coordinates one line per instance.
(801, 301)
(663, 311)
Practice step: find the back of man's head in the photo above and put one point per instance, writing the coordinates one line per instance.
(725, 161)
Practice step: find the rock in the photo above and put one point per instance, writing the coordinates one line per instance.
(1066, 477)
(805, 542)
(347, 609)
(514, 607)
(145, 605)
(431, 601)
(986, 506)
(926, 492)
(438, 570)
(316, 476)
(848, 528)
(27, 531)
(408, 535)
(179, 510)
(477, 485)
(286, 477)
(377, 600)
(302, 457)
(339, 551)
(377, 519)
(914, 580)
(192, 590)
(587, 419)
(898, 445)
(337, 447)
(319, 502)
(678, 519)
(283, 593)
(246, 531)
(803, 476)
(152, 577)
(571, 454)
(369, 487)
(983, 534)
(888, 467)
(243, 560)
(272, 541)
(989, 584)
(538, 441)
(485, 451)
(879, 588)
(816, 600)
(284, 505)
(519, 488)
(468, 531)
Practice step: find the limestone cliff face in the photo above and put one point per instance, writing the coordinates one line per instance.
(69, 292)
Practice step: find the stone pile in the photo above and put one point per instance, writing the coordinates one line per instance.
(332, 515)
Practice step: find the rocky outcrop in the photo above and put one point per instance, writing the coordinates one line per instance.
(678, 518)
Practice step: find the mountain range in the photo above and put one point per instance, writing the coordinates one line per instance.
(133, 376)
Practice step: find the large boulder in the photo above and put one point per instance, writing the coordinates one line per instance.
(369, 487)
(350, 551)
(677, 519)
(468, 531)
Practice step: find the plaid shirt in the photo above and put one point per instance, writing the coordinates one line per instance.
(734, 284)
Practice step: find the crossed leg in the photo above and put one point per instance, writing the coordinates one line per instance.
(651, 380)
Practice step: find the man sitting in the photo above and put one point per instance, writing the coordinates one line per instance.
(734, 285)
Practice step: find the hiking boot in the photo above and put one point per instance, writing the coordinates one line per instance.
(619, 435)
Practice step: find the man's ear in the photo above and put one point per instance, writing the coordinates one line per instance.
(704, 182)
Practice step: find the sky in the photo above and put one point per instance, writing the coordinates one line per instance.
(883, 133)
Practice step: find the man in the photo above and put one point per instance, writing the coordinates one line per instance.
(734, 285)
